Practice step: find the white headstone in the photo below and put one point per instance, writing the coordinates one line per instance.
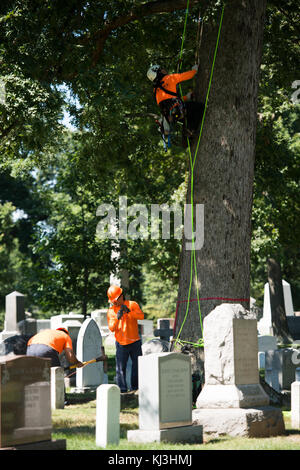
(57, 388)
(14, 310)
(288, 301)
(37, 409)
(100, 317)
(57, 321)
(108, 415)
(14, 315)
(165, 391)
(265, 324)
(165, 400)
(89, 343)
(43, 325)
(295, 405)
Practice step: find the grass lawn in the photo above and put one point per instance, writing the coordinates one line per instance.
(77, 424)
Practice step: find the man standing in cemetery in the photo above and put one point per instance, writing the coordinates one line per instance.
(51, 343)
(122, 317)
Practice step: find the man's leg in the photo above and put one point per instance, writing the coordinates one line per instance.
(194, 114)
(122, 354)
(135, 352)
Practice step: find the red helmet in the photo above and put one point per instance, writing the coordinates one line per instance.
(114, 293)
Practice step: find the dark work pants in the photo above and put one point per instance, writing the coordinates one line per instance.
(194, 113)
(41, 350)
(133, 350)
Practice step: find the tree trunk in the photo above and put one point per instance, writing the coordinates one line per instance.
(85, 292)
(224, 168)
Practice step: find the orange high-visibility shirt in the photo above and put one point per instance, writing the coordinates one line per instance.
(170, 82)
(56, 339)
(126, 329)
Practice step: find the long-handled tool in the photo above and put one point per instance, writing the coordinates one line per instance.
(97, 359)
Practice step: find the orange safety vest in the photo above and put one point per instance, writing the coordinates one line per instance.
(170, 82)
(126, 329)
(56, 339)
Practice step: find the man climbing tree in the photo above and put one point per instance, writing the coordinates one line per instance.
(173, 106)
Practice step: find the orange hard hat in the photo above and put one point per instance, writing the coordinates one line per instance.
(114, 293)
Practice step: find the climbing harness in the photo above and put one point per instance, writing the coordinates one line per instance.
(173, 111)
(193, 265)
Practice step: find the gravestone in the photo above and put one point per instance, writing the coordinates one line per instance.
(288, 301)
(261, 360)
(155, 346)
(108, 415)
(147, 327)
(28, 326)
(165, 400)
(14, 313)
(25, 410)
(100, 317)
(295, 401)
(294, 326)
(164, 331)
(57, 388)
(265, 324)
(16, 344)
(280, 368)
(232, 400)
(43, 324)
(89, 344)
(58, 321)
(274, 320)
(165, 323)
(14, 310)
(265, 343)
(73, 327)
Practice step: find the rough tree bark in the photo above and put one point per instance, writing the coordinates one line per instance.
(223, 173)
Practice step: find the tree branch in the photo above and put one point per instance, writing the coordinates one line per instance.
(149, 8)
(4, 133)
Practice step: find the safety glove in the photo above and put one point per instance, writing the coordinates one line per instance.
(123, 309)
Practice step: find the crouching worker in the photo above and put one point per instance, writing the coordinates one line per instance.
(51, 343)
(122, 317)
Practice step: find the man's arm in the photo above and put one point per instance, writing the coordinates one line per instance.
(112, 320)
(182, 77)
(135, 311)
(71, 358)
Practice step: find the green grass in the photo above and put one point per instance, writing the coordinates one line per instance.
(77, 424)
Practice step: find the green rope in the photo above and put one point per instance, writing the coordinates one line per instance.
(183, 34)
(192, 164)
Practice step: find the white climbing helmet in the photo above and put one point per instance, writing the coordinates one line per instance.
(152, 72)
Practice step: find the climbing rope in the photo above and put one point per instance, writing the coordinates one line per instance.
(193, 266)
